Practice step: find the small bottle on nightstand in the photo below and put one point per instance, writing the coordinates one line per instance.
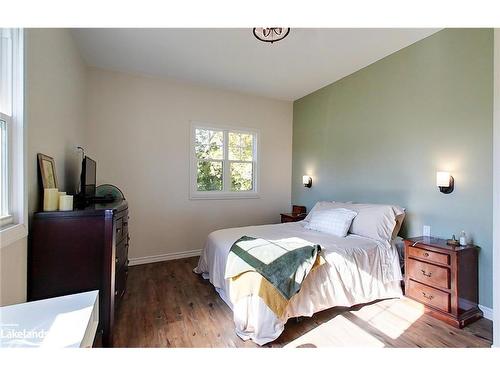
(463, 238)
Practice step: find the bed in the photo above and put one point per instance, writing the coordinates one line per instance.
(357, 270)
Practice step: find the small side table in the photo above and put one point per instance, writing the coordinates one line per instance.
(290, 217)
(298, 213)
(444, 278)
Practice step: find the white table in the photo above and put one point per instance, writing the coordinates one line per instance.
(67, 321)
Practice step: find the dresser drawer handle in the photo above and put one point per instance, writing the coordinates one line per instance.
(426, 254)
(116, 260)
(429, 297)
(426, 274)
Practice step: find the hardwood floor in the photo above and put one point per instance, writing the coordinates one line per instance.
(167, 305)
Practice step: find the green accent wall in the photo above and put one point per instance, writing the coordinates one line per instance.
(380, 134)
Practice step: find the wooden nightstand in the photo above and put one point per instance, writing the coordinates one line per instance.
(298, 213)
(444, 278)
(287, 218)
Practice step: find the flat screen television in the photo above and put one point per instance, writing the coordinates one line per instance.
(88, 178)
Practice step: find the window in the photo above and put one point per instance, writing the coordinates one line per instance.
(12, 191)
(223, 162)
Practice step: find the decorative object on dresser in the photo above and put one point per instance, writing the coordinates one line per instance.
(444, 278)
(81, 250)
(298, 213)
(47, 171)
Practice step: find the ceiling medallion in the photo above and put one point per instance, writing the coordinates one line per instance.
(271, 34)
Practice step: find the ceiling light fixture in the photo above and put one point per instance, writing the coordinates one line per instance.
(271, 34)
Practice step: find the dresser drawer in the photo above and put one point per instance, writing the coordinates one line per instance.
(121, 228)
(121, 254)
(431, 256)
(428, 295)
(428, 273)
(120, 283)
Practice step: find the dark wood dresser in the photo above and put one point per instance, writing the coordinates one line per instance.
(81, 250)
(444, 278)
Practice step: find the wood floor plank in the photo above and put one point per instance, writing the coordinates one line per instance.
(167, 305)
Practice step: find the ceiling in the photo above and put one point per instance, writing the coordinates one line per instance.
(306, 60)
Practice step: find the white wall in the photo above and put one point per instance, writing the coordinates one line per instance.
(55, 119)
(496, 192)
(138, 131)
(56, 106)
(13, 266)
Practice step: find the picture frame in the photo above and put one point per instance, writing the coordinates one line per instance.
(47, 169)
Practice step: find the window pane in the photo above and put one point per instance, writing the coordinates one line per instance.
(234, 146)
(241, 146)
(241, 176)
(209, 175)
(209, 144)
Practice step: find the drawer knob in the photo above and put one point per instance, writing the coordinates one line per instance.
(426, 274)
(428, 296)
(116, 260)
(426, 254)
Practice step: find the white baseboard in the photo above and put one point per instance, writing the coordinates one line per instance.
(487, 312)
(164, 257)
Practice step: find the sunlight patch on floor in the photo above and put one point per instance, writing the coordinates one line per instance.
(338, 331)
(392, 317)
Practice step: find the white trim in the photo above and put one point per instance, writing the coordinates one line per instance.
(17, 191)
(6, 220)
(19, 197)
(487, 312)
(12, 234)
(496, 189)
(225, 193)
(164, 257)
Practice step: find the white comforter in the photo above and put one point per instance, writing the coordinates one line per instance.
(357, 270)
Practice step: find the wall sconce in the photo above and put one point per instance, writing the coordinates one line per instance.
(445, 182)
(307, 181)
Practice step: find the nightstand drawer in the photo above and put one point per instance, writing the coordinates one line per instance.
(428, 273)
(428, 295)
(431, 256)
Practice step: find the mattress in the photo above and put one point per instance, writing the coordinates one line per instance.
(357, 270)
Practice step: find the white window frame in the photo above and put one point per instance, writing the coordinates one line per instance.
(226, 193)
(14, 226)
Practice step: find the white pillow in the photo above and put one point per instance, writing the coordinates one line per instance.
(319, 206)
(332, 221)
(375, 221)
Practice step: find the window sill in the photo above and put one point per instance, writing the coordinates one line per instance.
(222, 196)
(11, 234)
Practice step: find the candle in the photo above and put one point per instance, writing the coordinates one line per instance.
(50, 199)
(65, 203)
(58, 195)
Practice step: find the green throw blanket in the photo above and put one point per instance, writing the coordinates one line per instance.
(283, 263)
